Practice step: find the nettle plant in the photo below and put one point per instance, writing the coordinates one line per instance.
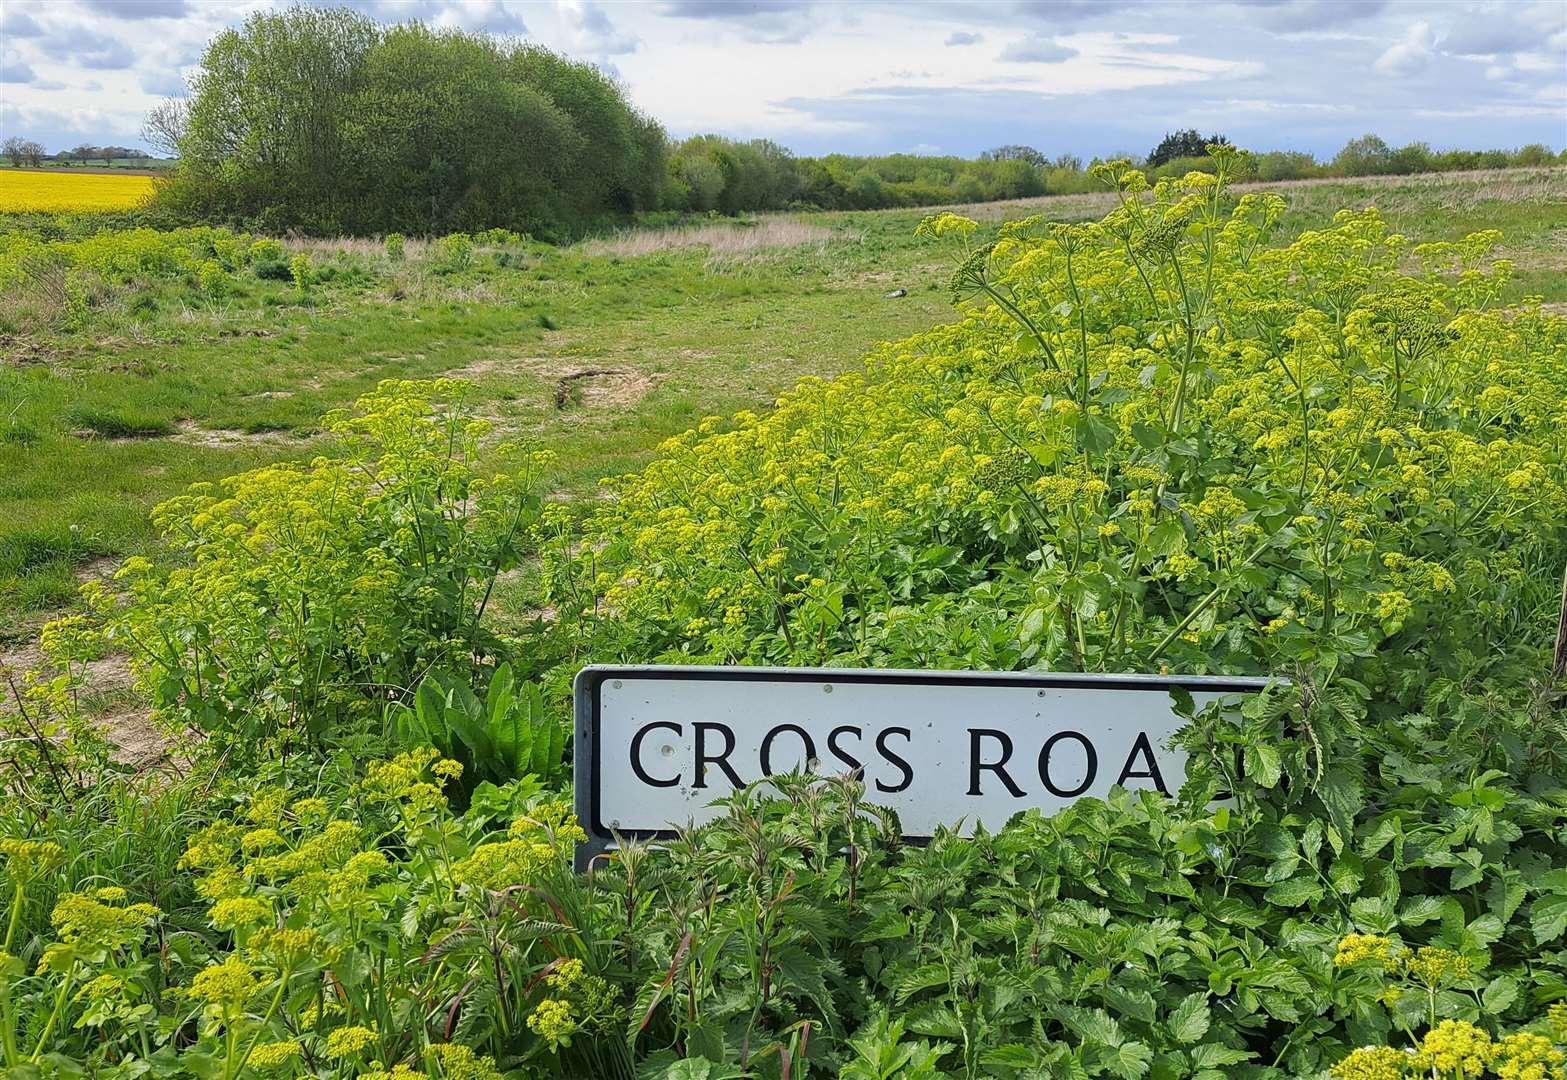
(305, 596)
(350, 924)
(1159, 440)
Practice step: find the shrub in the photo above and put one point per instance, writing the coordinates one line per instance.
(272, 270)
(394, 243)
(323, 121)
(299, 271)
(1136, 937)
(212, 279)
(311, 593)
(1155, 441)
(453, 253)
(265, 250)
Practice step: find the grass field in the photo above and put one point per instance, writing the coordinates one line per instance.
(59, 190)
(598, 351)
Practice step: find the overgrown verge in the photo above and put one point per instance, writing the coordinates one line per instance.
(1160, 441)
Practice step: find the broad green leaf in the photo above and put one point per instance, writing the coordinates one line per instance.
(1189, 1022)
(1264, 765)
(1295, 892)
(1548, 918)
(1499, 994)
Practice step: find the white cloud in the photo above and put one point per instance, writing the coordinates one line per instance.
(590, 31)
(1037, 49)
(1410, 55)
(13, 69)
(819, 77)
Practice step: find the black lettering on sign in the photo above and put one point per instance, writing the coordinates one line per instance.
(721, 760)
(636, 754)
(767, 746)
(854, 763)
(1145, 748)
(976, 766)
(894, 759)
(1044, 764)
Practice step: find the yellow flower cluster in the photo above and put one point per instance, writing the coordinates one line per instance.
(84, 918)
(28, 860)
(406, 779)
(346, 1042)
(229, 985)
(1523, 1056)
(275, 1056)
(532, 843)
(1361, 948)
(1436, 968)
(458, 1062)
(1372, 1063)
(1454, 1045)
(552, 1021)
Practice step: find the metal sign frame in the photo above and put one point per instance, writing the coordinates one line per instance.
(588, 700)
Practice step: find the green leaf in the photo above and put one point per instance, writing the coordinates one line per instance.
(1295, 892)
(1548, 918)
(1501, 993)
(1147, 436)
(1189, 1022)
(1264, 765)
(1420, 909)
(1166, 538)
(1130, 1061)
(1212, 1055)
(1094, 435)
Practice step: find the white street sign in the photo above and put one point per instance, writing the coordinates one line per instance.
(655, 745)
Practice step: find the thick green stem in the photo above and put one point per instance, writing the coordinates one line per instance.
(54, 1018)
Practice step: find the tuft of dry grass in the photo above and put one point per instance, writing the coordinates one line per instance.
(370, 247)
(725, 240)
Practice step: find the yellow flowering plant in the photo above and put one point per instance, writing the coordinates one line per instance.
(308, 595)
(1168, 438)
(346, 932)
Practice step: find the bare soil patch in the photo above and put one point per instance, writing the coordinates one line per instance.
(192, 434)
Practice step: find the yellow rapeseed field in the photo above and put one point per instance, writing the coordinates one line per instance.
(58, 190)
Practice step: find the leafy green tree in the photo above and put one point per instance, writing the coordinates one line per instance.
(1016, 153)
(1179, 144)
(1365, 156)
(322, 120)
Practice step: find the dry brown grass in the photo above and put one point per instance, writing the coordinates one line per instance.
(414, 248)
(1448, 189)
(725, 240)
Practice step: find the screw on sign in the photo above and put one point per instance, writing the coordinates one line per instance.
(656, 745)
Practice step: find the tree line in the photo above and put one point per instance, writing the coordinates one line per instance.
(27, 153)
(323, 121)
(711, 173)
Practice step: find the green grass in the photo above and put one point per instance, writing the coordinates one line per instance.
(159, 387)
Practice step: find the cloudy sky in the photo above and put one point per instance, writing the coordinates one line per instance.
(1091, 77)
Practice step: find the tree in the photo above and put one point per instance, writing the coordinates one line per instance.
(1365, 156)
(165, 125)
(20, 152)
(324, 121)
(85, 152)
(1016, 153)
(1183, 144)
